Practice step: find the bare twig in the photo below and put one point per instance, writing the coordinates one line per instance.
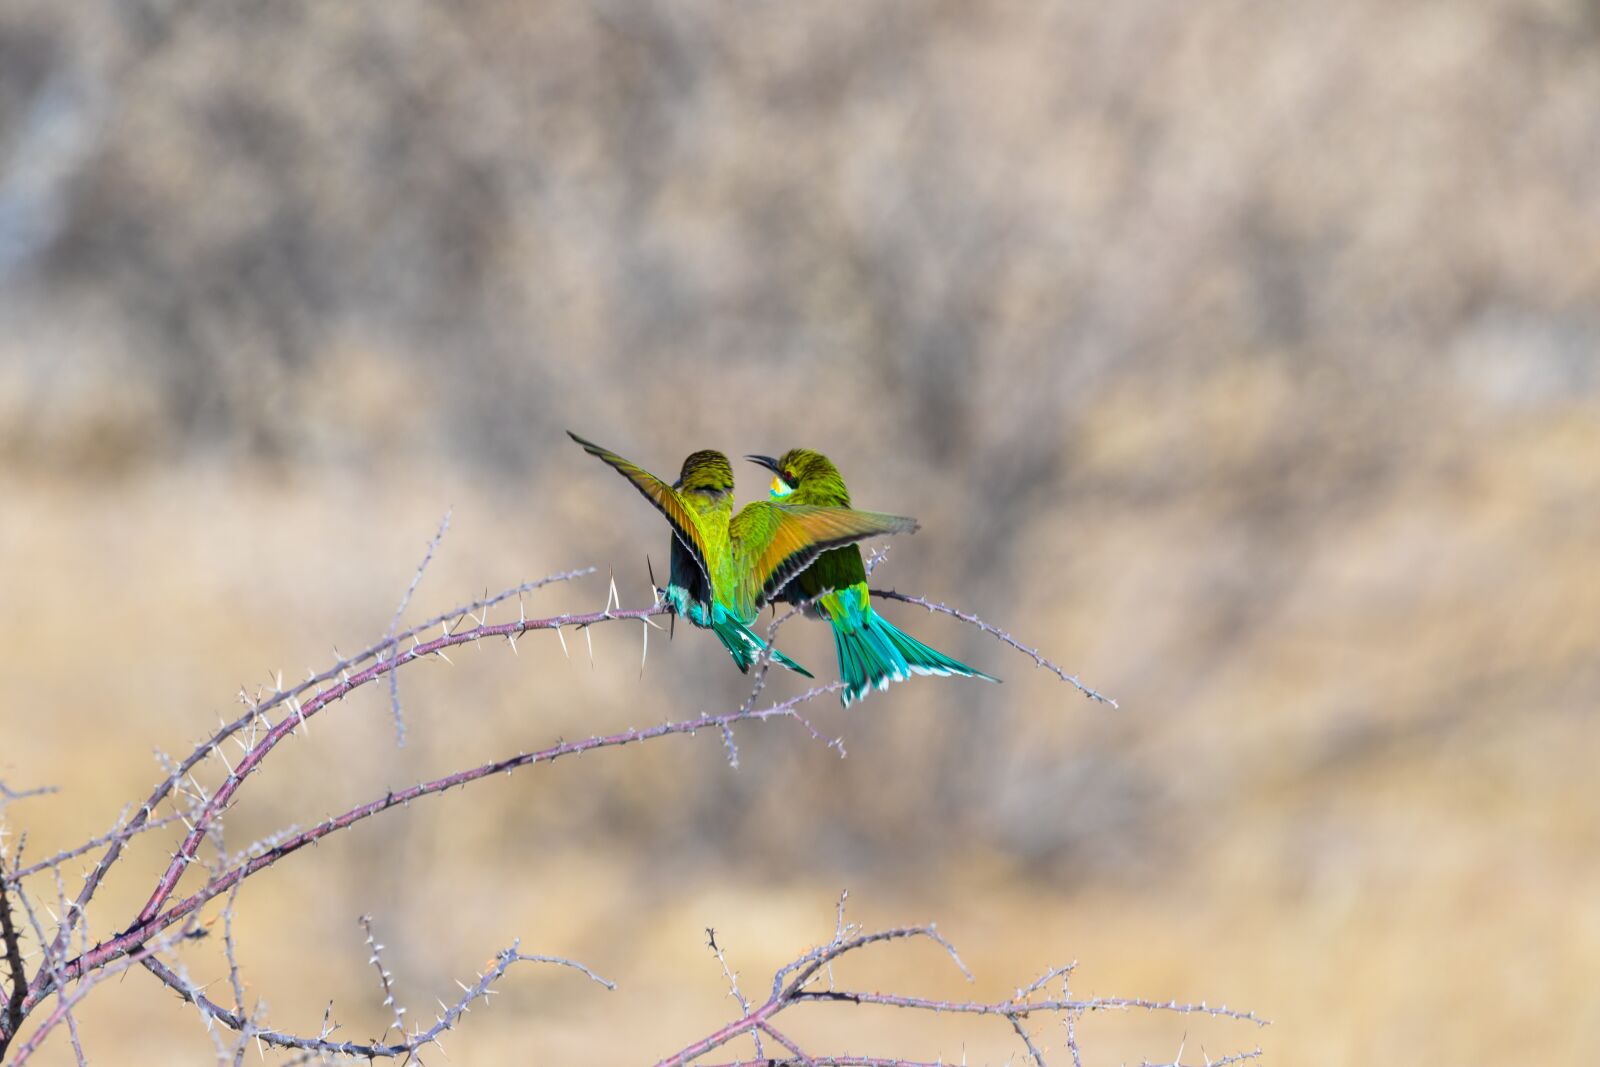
(790, 988)
(394, 624)
(333, 692)
(255, 715)
(70, 999)
(733, 987)
(385, 979)
(448, 1018)
(1022, 1008)
(72, 964)
(11, 940)
(122, 831)
(231, 950)
(256, 712)
(9, 795)
(52, 965)
(763, 667)
(1000, 635)
(1071, 1019)
(1237, 1057)
(114, 947)
(845, 1060)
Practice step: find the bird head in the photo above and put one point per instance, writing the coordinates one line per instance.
(802, 467)
(706, 471)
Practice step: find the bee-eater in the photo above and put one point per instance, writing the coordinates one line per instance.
(726, 566)
(872, 650)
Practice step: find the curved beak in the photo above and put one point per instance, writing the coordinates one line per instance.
(764, 461)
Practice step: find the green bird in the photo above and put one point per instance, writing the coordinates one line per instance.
(726, 566)
(872, 651)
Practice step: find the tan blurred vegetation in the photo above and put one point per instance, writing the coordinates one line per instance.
(1242, 355)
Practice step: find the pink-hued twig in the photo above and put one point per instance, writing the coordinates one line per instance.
(385, 979)
(999, 635)
(790, 988)
(256, 712)
(71, 965)
(114, 947)
(394, 625)
(69, 999)
(419, 1038)
(11, 943)
(123, 831)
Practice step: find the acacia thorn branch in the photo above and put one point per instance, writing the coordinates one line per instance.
(998, 634)
(790, 988)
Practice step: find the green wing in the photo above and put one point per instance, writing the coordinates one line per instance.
(666, 499)
(774, 542)
(837, 568)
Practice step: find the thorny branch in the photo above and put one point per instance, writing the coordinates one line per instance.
(69, 972)
(385, 979)
(137, 935)
(258, 708)
(394, 625)
(9, 795)
(69, 999)
(410, 1043)
(202, 816)
(791, 986)
(999, 635)
(11, 938)
(122, 831)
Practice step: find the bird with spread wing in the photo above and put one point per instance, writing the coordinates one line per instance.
(872, 651)
(726, 566)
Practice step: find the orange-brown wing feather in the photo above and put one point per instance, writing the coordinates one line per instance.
(666, 499)
(774, 542)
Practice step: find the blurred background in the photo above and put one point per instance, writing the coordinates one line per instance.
(1240, 355)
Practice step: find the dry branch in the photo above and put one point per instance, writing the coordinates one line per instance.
(791, 987)
(70, 966)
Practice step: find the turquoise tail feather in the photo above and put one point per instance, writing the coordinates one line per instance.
(745, 646)
(875, 652)
(741, 642)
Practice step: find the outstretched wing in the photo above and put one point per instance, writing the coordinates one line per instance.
(666, 499)
(774, 542)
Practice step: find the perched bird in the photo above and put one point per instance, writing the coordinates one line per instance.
(872, 650)
(726, 566)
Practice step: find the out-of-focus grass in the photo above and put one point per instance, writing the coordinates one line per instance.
(1367, 813)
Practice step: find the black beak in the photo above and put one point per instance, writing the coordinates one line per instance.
(765, 461)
